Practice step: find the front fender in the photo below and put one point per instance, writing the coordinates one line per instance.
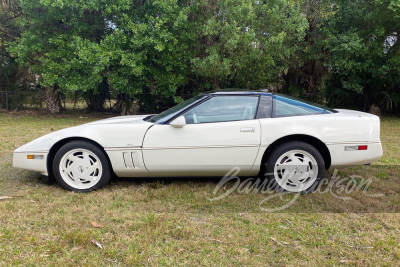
(106, 135)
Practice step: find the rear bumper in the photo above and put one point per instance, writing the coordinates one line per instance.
(39, 164)
(342, 158)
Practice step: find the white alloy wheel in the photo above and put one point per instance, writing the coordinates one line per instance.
(80, 168)
(296, 170)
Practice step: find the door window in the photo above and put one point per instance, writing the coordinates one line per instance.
(222, 109)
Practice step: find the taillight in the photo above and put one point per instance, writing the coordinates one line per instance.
(353, 148)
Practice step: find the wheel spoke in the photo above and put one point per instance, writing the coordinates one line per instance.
(293, 177)
(311, 173)
(73, 158)
(288, 158)
(86, 159)
(93, 168)
(69, 168)
(297, 161)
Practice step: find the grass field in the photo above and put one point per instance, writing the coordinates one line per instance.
(171, 221)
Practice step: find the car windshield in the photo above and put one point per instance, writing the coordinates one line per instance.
(169, 113)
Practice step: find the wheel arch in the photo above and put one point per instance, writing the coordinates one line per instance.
(313, 141)
(54, 149)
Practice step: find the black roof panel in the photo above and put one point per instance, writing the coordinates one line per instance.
(235, 91)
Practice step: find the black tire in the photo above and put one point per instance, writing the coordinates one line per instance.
(269, 173)
(103, 179)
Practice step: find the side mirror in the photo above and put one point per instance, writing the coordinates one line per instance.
(178, 122)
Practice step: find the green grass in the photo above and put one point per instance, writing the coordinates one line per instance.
(171, 222)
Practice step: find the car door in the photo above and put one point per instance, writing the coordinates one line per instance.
(219, 134)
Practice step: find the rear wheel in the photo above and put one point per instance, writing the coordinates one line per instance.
(81, 167)
(295, 167)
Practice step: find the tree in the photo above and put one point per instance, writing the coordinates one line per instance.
(133, 46)
(364, 54)
(57, 36)
(244, 44)
(13, 77)
(305, 77)
(158, 47)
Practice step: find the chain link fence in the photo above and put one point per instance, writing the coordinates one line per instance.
(19, 99)
(145, 102)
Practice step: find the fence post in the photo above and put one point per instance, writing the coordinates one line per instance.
(6, 100)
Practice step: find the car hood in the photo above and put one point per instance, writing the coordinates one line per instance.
(136, 119)
(113, 133)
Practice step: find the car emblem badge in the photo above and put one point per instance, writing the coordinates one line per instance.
(81, 169)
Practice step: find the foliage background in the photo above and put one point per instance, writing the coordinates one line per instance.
(149, 55)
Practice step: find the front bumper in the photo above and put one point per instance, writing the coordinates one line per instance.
(39, 163)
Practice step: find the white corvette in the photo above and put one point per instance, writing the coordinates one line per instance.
(287, 140)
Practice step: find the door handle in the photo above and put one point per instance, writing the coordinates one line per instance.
(247, 130)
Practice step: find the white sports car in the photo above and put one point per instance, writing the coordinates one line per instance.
(287, 140)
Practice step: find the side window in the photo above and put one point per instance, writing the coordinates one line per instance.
(223, 108)
(286, 107)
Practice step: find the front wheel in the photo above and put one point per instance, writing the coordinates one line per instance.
(81, 167)
(295, 167)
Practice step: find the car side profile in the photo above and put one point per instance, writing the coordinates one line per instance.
(284, 139)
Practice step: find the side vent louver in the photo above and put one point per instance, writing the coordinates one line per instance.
(128, 160)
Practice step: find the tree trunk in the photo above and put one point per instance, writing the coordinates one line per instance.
(126, 105)
(52, 99)
(129, 108)
(216, 83)
(95, 102)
